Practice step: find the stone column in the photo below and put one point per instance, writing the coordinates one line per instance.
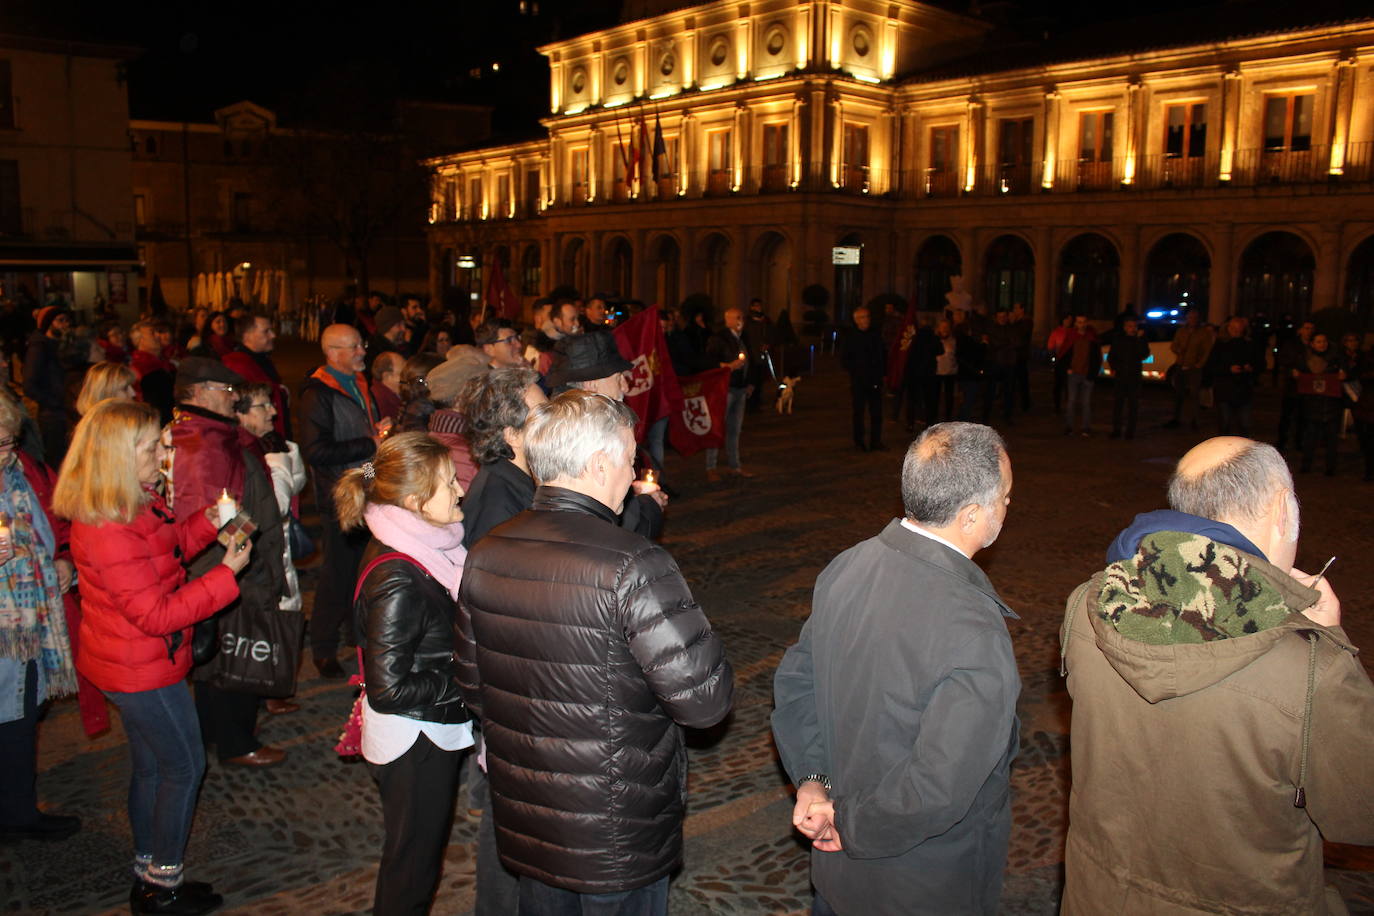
(1129, 284)
(1325, 291)
(1044, 310)
(1225, 274)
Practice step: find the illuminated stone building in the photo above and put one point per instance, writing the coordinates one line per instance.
(1233, 174)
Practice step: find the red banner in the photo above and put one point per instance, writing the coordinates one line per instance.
(501, 299)
(896, 354)
(701, 421)
(653, 385)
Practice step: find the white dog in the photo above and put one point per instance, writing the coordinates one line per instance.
(787, 389)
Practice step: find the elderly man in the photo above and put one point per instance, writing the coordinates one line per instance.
(585, 634)
(339, 429)
(727, 349)
(592, 363)
(896, 710)
(212, 453)
(386, 384)
(1222, 725)
(252, 359)
(864, 357)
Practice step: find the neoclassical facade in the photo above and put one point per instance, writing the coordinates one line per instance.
(1232, 176)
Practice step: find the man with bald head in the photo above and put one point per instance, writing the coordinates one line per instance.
(1222, 725)
(895, 712)
(339, 429)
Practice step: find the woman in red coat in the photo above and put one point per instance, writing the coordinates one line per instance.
(135, 640)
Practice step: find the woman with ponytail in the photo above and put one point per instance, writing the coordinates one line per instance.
(415, 726)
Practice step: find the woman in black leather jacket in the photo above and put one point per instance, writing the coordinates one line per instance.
(415, 727)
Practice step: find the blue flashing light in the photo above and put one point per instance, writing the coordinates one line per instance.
(1156, 313)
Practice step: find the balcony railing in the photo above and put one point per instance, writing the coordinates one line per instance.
(1244, 168)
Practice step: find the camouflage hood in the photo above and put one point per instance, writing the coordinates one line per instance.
(1186, 611)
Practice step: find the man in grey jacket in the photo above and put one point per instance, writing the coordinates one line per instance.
(896, 710)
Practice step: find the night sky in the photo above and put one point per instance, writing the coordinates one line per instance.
(199, 57)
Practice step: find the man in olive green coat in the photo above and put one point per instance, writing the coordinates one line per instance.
(1222, 725)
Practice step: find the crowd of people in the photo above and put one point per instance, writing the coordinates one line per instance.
(489, 555)
(963, 363)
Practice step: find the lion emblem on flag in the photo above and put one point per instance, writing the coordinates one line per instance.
(640, 376)
(697, 416)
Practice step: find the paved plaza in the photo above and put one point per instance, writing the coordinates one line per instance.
(304, 838)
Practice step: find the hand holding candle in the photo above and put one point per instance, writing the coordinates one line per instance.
(649, 484)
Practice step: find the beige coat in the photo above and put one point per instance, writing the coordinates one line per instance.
(1187, 759)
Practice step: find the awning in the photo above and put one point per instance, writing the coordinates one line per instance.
(14, 256)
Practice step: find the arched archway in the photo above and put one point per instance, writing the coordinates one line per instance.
(1089, 277)
(1177, 271)
(531, 270)
(1275, 277)
(1359, 284)
(574, 267)
(937, 260)
(715, 268)
(665, 258)
(772, 281)
(619, 268)
(1009, 274)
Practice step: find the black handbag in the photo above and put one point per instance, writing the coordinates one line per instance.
(205, 640)
(258, 651)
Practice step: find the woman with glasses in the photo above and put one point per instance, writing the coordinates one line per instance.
(135, 642)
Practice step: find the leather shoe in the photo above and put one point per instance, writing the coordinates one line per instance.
(265, 756)
(282, 707)
(44, 827)
(712, 475)
(192, 898)
(330, 669)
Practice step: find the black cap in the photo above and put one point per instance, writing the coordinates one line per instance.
(196, 369)
(585, 357)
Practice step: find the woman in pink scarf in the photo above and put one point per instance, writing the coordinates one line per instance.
(415, 727)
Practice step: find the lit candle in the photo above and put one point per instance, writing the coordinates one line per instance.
(226, 507)
(648, 485)
(741, 354)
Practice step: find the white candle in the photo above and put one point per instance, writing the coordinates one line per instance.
(226, 507)
(648, 484)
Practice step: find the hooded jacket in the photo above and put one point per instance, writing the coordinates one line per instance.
(1218, 733)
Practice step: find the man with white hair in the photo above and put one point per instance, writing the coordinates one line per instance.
(1222, 726)
(583, 652)
(896, 710)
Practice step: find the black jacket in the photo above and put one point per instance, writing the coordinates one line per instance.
(335, 435)
(864, 356)
(583, 652)
(44, 377)
(501, 491)
(407, 618)
(1126, 356)
(725, 347)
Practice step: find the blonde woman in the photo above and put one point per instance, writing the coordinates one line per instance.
(106, 380)
(135, 637)
(415, 726)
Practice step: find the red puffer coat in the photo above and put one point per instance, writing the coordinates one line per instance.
(136, 601)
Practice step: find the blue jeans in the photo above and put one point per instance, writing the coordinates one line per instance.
(654, 439)
(1081, 398)
(734, 422)
(539, 899)
(168, 765)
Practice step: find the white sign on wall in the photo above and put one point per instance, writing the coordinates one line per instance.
(845, 255)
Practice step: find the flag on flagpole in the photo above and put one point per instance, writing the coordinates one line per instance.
(645, 151)
(501, 301)
(624, 151)
(662, 167)
(653, 388)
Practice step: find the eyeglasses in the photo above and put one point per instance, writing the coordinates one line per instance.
(512, 339)
(215, 386)
(360, 345)
(262, 406)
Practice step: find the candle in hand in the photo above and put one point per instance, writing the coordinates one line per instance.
(648, 484)
(226, 508)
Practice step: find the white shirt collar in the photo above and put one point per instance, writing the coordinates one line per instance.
(909, 525)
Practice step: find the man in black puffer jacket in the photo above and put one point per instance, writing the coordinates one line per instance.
(584, 653)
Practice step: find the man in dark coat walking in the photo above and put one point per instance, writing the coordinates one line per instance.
(896, 710)
(864, 357)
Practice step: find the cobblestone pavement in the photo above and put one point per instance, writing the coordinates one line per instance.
(304, 837)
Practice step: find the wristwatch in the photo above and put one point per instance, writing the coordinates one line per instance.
(816, 777)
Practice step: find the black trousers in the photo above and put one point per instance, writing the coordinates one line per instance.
(999, 381)
(1022, 376)
(1290, 420)
(418, 789)
(227, 719)
(867, 398)
(1125, 398)
(334, 595)
(18, 759)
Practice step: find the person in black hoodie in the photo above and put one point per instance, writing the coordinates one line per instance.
(865, 359)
